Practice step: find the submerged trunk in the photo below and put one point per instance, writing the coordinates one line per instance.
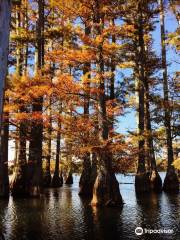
(35, 156)
(69, 178)
(171, 183)
(155, 179)
(5, 12)
(47, 173)
(85, 183)
(106, 188)
(19, 179)
(35, 147)
(5, 139)
(57, 179)
(141, 178)
(93, 168)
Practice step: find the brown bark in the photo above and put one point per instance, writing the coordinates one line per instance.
(47, 173)
(171, 183)
(106, 189)
(85, 184)
(155, 179)
(35, 148)
(141, 178)
(19, 180)
(5, 12)
(69, 179)
(5, 139)
(57, 180)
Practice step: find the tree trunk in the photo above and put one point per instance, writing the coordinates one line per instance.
(106, 188)
(171, 183)
(5, 141)
(85, 185)
(35, 147)
(5, 12)
(57, 180)
(155, 179)
(69, 179)
(141, 179)
(47, 174)
(19, 179)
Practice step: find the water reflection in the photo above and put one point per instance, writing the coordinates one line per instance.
(62, 215)
(108, 223)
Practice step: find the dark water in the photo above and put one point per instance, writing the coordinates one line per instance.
(61, 214)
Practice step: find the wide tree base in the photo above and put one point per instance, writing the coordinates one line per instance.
(56, 181)
(85, 185)
(69, 179)
(155, 181)
(18, 185)
(47, 180)
(85, 190)
(106, 190)
(171, 182)
(142, 183)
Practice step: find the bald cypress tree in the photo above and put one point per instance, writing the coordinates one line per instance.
(36, 137)
(171, 183)
(5, 13)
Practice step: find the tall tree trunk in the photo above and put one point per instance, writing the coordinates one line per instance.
(69, 176)
(141, 179)
(5, 13)
(106, 188)
(57, 180)
(155, 179)
(47, 173)
(85, 184)
(4, 149)
(19, 179)
(171, 183)
(35, 147)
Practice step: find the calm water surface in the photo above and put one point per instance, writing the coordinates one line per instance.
(62, 215)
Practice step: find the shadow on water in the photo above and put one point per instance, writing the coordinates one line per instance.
(3, 209)
(159, 212)
(62, 215)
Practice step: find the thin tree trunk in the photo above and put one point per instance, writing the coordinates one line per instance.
(47, 174)
(57, 180)
(155, 179)
(171, 183)
(5, 13)
(69, 177)
(5, 141)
